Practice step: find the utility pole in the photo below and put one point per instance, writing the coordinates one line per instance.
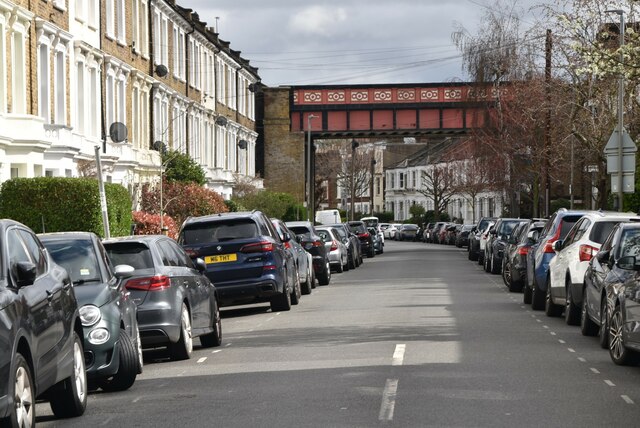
(354, 146)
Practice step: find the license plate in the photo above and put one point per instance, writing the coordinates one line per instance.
(222, 258)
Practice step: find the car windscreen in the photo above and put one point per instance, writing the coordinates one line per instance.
(78, 257)
(219, 231)
(299, 230)
(507, 227)
(134, 254)
(630, 243)
(357, 228)
(601, 230)
(566, 224)
(371, 223)
(325, 235)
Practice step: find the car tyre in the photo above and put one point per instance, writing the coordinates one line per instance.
(281, 302)
(69, 396)
(537, 297)
(296, 293)
(307, 286)
(340, 267)
(550, 308)
(571, 310)
(214, 338)
(603, 333)
(183, 348)
(495, 267)
(325, 278)
(128, 369)
(527, 295)
(485, 263)
(23, 410)
(351, 261)
(620, 354)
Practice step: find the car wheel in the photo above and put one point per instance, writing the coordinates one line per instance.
(69, 397)
(526, 295)
(480, 258)
(485, 263)
(23, 411)
(345, 266)
(325, 278)
(537, 297)
(215, 337)
(340, 268)
(128, 369)
(281, 302)
(183, 348)
(473, 256)
(313, 278)
(495, 267)
(571, 310)
(307, 286)
(550, 308)
(296, 293)
(372, 253)
(587, 326)
(619, 353)
(603, 334)
(351, 262)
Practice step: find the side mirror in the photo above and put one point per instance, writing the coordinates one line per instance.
(557, 246)
(299, 239)
(628, 263)
(201, 266)
(25, 273)
(123, 271)
(286, 237)
(603, 256)
(533, 235)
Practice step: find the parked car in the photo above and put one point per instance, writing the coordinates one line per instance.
(484, 237)
(426, 233)
(308, 237)
(302, 258)
(451, 231)
(390, 233)
(462, 238)
(176, 302)
(373, 223)
(42, 354)
(352, 243)
(612, 292)
(366, 241)
(496, 243)
(514, 262)
(337, 250)
(567, 268)
(113, 351)
(542, 252)
(474, 237)
(378, 242)
(407, 232)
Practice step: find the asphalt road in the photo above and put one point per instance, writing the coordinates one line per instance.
(417, 337)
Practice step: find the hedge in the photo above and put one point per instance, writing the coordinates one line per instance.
(58, 204)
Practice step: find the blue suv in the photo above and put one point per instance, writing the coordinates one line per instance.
(558, 226)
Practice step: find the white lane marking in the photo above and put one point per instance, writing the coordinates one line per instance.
(388, 400)
(202, 360)
(398, 354)
(250, 329)
(627, 399)
(523, 306)
(106, 421)
(216, 351)
(227, 345)
(539, 320)
(571, 350)
(552, 333)
(269, 319)
(561, 341)
(608, 382)
(135, 400)
(596, 371)
(278, 313)
(545, 326)
(582, 360)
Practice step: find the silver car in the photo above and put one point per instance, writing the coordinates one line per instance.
(336, 249)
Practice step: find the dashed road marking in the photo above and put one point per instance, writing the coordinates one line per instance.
(216, 351)
(552, 333)
(571, 350)
(538, 320)
(561, 341)
(545, 326)
(227, 345)
(398, 355)
(608, 382)
(596, 371)
(627, 399)
(388, 400)
(202, 360)
(582, 360)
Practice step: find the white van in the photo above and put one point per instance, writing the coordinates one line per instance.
(328, 217)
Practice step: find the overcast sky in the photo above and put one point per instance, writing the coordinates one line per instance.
(297, 42)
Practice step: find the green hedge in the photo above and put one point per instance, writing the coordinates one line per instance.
(55, 204)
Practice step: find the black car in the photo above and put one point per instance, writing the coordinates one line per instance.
(611, 294)
(176, 302)
(514, 261)
(494, 249)
(474, 237)
(462, 238)
(366, 240)
(42, 354)
(308, 237)
(113, 352)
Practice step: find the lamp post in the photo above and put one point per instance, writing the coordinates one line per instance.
(373, 171)
(620, 12)
(354, 146)
(309, 187)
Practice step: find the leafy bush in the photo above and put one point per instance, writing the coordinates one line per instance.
(149, 224)
(273, 204)
(59, 204)
(180, 167)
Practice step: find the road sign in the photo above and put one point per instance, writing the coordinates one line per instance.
(629, 150)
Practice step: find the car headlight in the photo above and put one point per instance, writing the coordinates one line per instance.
(90, 315)
(99, 336)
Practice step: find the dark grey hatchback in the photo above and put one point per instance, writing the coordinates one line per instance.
(41, 353)
(176, 302)
(113, 353)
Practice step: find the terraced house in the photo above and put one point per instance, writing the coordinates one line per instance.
(70, 69)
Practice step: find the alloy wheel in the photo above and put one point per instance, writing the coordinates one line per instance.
(79, 375)
(616, 343)
(23, 398)
(186, 331)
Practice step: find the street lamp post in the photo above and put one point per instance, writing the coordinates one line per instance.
(309, 187)
(373, 171)
(354, 146)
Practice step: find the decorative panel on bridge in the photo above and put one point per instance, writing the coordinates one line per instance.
(445, 108)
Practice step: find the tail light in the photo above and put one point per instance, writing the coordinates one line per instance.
(548, 246)
(363, 235)
(317, 244)
(586, 252)
(334, 245)
(287, 245)
(191, 253)
(523, 251)
(151, 283)
(258, 247)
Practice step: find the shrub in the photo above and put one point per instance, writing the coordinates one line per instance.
(149, 224)
(59, 204)
(273, 204)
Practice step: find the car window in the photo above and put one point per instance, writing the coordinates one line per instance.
(566, 224)
(341, 233)
(35, 251)
(325, 235)
(134, 254)
(299, 230)
(601, 230)
(219, 231)
(571, 236)
(168, 255)
(630, 243)
(17, 251)
(182, 257)
(78, 257)
(549, 226)
(608, 243)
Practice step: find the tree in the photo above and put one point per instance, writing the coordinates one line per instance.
(180, 167)
(438, 184)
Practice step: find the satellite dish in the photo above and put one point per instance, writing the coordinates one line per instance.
(159, 146)
(118, 132)
(161, 70)
(221, 121)
(242, 144)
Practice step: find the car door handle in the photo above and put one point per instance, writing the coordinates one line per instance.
(49, 296)
(185, 283)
